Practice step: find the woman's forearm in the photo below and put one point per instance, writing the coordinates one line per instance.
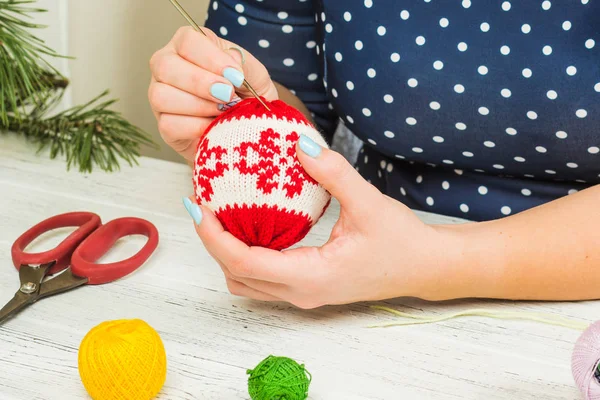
(551, 252)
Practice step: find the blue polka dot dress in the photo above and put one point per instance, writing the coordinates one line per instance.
(476, 109)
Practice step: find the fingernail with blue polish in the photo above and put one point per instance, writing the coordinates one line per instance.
(234, 76)
(221, 91)
(309, 146)
(193, 210)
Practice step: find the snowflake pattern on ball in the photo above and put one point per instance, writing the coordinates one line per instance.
(208, 167)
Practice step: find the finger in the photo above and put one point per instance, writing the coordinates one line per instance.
(175, 71)
(337, 176)
(239, 289)
(257, 263)
(168, 99)
(182, 133)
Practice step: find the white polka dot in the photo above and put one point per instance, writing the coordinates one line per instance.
(402, 191)
(282, 15)
(571, 70)
(287, 29)
(449, 162)
(239, 8)
(527, 73)
(242, 21)
(572, 165)
(389, 134)
(371, 73)
(382, 164)
(505, 210)
(547, 50)
(526, 28)
(462, 46)
(466, 3)
(395, 57)
(338, 56)
(567, 25)
(312, 77)
(411, 121)
(390, 167)
(438, 139)
(404, 15)
(399, 156)
(532, 115)
(366, 159)
(310, 44)
(546, 5)
(506, 93)
(483, 110)
(467, 154)
(334, 93)
(366, 112)
(552, 95)
(328, 28)
(581, 113)
(381, 30)
(358, 45)
(505, 50)
(445, 185)
(215, 6)
(526, 192)
(323, 16)
(350, 119)
(485, 27)
(498, 166)
(223, 31)
(541, 149)
(350, 85)
(460, 126)
(412, 82)
(263, 43)
(519, 159)
(438, 65)
(482, 69)
(590, 43)
(482, 190)
(434, 105)
(464, 208)
(388, 98)
(368, 3)
(417, 149)
(506, 6)
(419, 179)
(529, 176)
(429, 201)
(458, 171)
(561, 134)
(549, 171)
(459, 88)
(572, 191)
(594, 150)
(489, 144)
(420, 40)
(584, 1)
(444, 22)
(597, 87)
(511, 131)
(288, 62)
(347, 16)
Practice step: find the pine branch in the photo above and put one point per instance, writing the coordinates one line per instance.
(88, 135)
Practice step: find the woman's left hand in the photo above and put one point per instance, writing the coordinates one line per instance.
(378, 248)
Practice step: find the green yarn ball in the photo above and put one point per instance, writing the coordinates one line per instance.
(278, 378)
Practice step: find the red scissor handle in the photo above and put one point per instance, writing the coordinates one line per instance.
(87, 223)
(100, 241)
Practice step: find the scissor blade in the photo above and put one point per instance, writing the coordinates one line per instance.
(15, 305)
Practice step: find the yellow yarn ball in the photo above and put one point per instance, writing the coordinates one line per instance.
(122, 360)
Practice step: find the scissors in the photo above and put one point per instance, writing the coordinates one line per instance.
(75, 256)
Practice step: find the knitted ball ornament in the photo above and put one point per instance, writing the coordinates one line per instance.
(247, 172)
(122, 360)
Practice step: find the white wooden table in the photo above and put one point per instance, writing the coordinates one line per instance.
(212, 337)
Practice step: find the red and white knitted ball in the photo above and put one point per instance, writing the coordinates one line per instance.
(246, 171)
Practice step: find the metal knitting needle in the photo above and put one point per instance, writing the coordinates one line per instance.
(194, 25)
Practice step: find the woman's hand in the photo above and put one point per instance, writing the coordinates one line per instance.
(191, 76)
(378, 248)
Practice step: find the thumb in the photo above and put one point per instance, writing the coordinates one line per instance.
(336, 175)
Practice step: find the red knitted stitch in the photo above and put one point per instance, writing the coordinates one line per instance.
(203, 175)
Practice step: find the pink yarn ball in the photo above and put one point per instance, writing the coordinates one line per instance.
(584, 362)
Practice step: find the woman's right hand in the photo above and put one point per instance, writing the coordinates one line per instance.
(194, 74)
